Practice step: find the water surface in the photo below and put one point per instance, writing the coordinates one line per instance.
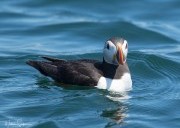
(78, 29)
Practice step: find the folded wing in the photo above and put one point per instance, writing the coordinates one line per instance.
(82, 72)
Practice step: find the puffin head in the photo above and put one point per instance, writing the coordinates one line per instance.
(115, 51)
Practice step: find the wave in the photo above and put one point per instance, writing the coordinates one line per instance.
(160, 74)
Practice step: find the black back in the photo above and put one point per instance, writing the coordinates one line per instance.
(78, 72)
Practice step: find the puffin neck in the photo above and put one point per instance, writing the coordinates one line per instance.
(110, 70)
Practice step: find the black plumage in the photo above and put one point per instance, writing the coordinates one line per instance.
(78, 72)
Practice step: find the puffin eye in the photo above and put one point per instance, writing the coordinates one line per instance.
(126, 46)
(107, 46)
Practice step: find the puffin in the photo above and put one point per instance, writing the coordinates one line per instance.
(112, 73)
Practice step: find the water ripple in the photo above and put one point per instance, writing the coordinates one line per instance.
(159, 71)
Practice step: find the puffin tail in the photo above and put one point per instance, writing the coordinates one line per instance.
(46, 68)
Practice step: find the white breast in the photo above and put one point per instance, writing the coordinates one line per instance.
(116, 85)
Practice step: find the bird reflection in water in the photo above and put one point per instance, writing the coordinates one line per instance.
(118, 113)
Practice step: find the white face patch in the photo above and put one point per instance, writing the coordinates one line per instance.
(109, 52)
(125, 49)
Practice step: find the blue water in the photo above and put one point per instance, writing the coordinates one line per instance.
(72, 29)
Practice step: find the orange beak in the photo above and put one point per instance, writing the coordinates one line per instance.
(119, 54)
